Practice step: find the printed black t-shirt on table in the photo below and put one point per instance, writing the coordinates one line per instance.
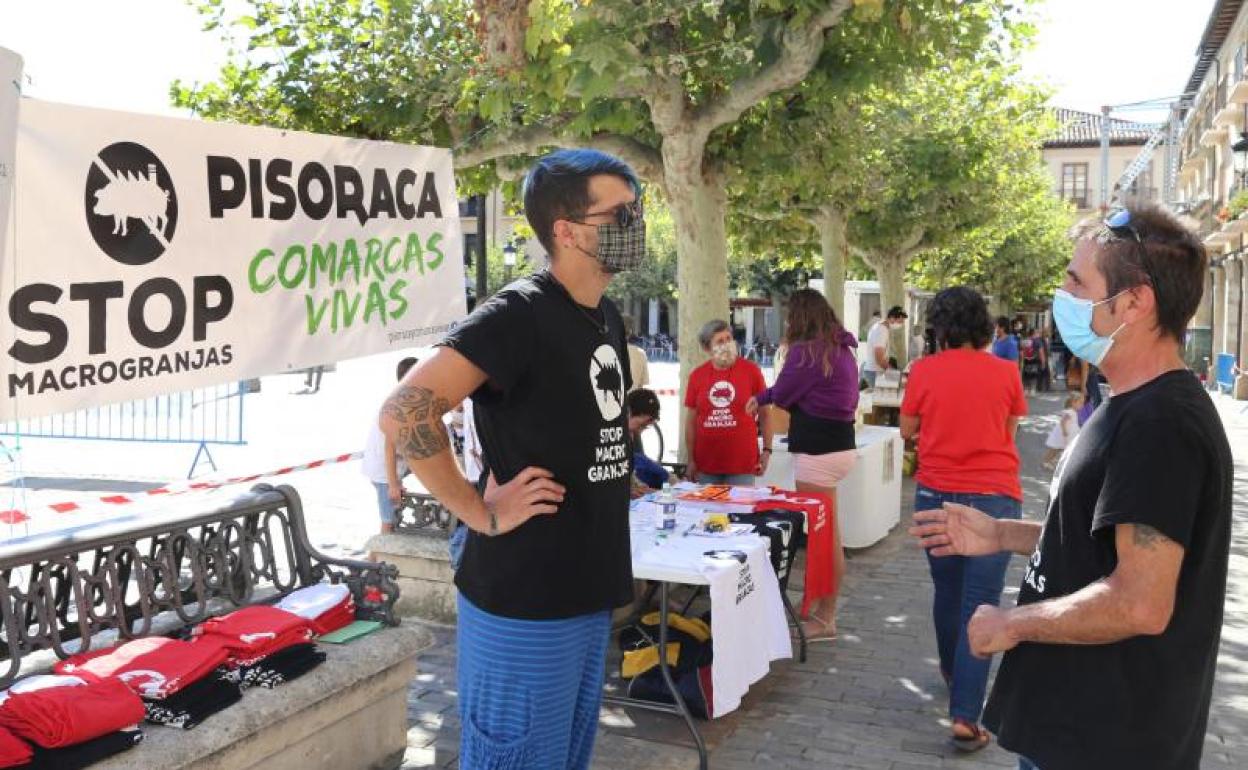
(558, 373)
(1155, 456)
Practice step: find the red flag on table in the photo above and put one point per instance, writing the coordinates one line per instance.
(820, 510)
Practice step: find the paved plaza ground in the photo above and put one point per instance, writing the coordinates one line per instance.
(872, 699)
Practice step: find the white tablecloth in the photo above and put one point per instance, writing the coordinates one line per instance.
(748, 624)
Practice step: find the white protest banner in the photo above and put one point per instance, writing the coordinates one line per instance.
(156, 254)
(10, 92)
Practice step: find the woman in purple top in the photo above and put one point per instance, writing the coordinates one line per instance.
(819, 387)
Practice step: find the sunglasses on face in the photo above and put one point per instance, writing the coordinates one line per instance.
(625, 214)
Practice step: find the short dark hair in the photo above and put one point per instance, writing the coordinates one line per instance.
(557, 187)
(643, 403)
(1003, 324)
(959, 315)
(896, 312)
(1169, 258)
(404, 367)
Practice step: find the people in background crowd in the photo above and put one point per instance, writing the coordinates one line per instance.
(643, 411)
(1064, 432)
(637, 360)
(964, 405)
(1111, 651)
(721, 437)
(879, 357)
(1004, 343)
(819, 387)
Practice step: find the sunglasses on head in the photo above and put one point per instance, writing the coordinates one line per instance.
(1119, 225)
(625, 214)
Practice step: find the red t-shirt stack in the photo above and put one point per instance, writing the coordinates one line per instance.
(253, 633)
(58, 711)
(963, 399)
(327, 606)
(725, 437)
(154, 667)
(13, 750)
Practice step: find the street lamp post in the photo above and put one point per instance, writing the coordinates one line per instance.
(509, 261)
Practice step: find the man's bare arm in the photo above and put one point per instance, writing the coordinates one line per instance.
(412, 419)
(1136, 599)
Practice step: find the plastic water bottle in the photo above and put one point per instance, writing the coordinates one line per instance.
(667, 509)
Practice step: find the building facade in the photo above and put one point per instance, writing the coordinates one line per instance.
(1073, 156)
(1209, 188)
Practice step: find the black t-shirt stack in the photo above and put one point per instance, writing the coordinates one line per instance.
(558, 373)
(84, 754)
(282, 666)
(1155, 456)
(194, 703)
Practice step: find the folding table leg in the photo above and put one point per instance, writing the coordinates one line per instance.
(671, 683)
(797, 623)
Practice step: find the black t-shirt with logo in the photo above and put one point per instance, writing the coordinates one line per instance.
(558, 373)
(1156, 456)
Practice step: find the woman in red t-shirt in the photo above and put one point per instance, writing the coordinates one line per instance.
(722, 438)
(964, 404)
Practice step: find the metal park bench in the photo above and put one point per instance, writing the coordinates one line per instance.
(151, 573)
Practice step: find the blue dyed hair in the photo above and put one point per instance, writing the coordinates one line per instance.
(557, 187)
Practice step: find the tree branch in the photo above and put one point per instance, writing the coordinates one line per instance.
(801, 48)
(530, 140)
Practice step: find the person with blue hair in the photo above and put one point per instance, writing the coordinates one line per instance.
(547, 555)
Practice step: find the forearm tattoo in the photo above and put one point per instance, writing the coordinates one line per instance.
(418, 412)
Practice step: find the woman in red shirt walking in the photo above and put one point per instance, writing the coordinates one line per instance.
(964, 404)
(722, 438)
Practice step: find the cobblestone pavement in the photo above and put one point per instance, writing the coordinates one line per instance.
(874, 698)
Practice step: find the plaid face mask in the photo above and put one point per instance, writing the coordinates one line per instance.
(622, 247)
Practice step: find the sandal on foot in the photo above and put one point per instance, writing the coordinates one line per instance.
(819, 630)
(976, 739)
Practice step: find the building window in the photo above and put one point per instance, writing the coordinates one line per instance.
(1075, 184)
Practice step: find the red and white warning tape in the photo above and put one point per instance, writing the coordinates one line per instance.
(17, 516)
(667, 392)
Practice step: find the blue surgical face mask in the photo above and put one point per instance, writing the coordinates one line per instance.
(1074, 320)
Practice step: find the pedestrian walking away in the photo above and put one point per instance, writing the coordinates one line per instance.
(964, 405)
(1110, 654)
(547, 555)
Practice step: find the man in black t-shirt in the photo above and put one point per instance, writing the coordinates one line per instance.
(547, 555)
(1111, 652)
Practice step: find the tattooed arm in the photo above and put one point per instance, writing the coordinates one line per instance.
(412, 419)
(1136, 599)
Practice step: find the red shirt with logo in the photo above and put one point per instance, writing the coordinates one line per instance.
(726, 438)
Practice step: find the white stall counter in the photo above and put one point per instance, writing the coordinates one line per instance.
(868, 500)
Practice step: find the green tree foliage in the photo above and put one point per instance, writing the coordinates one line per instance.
(665, 84)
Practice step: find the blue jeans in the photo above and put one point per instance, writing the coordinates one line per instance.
(458, 539)
(1026, 764)
(962, 583)
(385, 508)
(731, 479)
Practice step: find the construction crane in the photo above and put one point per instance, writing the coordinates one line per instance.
(1167, 133)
